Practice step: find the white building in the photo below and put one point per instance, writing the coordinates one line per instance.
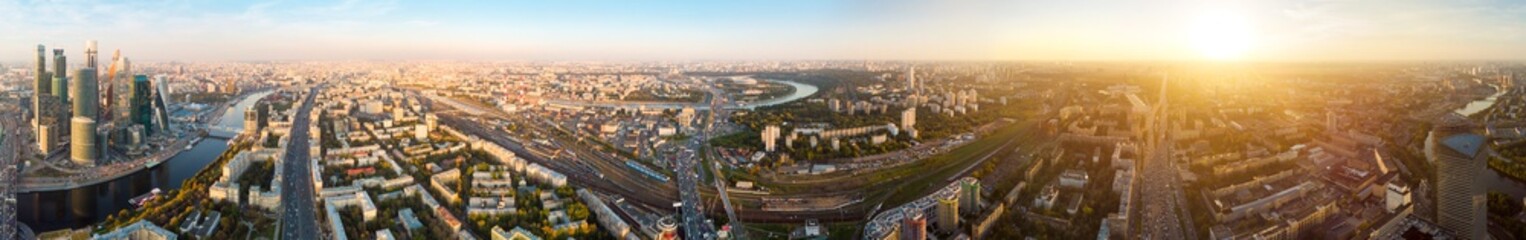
(770, 137)
(1398, 195)
(1073, 179)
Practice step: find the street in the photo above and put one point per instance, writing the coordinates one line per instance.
(298, 210)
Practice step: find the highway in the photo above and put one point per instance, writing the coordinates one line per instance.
(299, 210)
(1159, 198)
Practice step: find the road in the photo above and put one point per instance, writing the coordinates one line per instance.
(694, 224)
(10, 156)
(299, 212)
(1159, 199)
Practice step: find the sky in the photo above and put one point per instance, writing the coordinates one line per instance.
(1074, 30)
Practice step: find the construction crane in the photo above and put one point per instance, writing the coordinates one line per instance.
(111, 76)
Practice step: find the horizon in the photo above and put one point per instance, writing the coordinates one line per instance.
(1088, 31)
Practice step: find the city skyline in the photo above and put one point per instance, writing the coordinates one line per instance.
(791, 119)
(1183, 30)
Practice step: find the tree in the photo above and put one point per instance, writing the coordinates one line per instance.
(577, 211)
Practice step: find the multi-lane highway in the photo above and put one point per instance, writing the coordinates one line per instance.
(299, 212)
(1159, 197)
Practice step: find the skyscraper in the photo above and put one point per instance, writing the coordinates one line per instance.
(60, 81)
(139, 108)
(1459, 158)
(160, 103)
(90, 54)
(83, 148)
(41, 86)
(86, 93)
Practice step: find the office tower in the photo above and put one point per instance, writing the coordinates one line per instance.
(770, 137)
(86, 94)
(82, 146)
(60, 81)
(913, 225)
(948, 213)
(47, 138)
(139, 107)
(42, 85)
(1458, 155)
(969, 195)
(83, 149)
(42, 89)
(161, 109)
(90, 54)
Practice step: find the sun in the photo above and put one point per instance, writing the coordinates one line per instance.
(1221, 36)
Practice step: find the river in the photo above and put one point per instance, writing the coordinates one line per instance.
(83, 206)
(801, 91)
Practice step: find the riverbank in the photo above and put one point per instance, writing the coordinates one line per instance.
(84, 205)
(799, 91)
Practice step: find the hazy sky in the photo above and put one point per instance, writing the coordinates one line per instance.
(740, 30)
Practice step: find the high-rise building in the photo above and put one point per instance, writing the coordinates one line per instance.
(911, 79)
(60, 80)
(770, 137)
(254, 121)
(948, 213)
(913, 224)
(161, 103)
(41, 86)
(1458, 155)
(969, 195)
(47, 138)
(82, 143)
(139, 102)
(86, 92)
(90, 54)
(909, 121)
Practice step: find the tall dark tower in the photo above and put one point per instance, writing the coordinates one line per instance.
(60, 80)
(86, 91)
(140, 110)
(41, 87)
